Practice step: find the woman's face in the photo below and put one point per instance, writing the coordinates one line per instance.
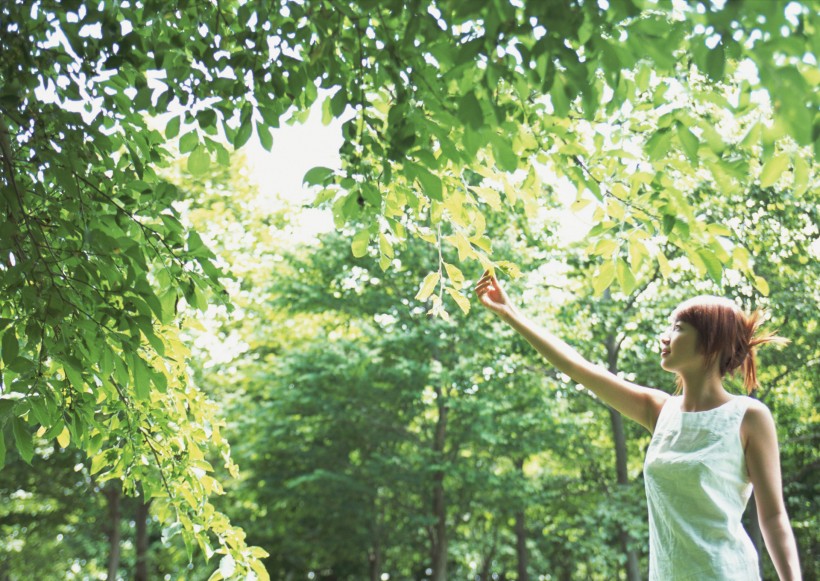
(679, 348)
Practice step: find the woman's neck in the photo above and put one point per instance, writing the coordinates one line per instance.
(703, 391)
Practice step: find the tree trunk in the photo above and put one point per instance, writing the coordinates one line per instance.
(142, 540)
(521, 545)
(633, 571)
(487, 563)
(439, 548)
(375, 556)
(113, 493)
(375, 562)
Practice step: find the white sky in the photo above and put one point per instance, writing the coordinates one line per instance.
(298, 148)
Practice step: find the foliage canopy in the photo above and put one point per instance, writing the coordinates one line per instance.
(454, 109)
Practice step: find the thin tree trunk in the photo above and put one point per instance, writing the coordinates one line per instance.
(633, 570)
(375, 555)
(375, 563)
(521, 545)
(487, 563)
(522, 557)
(113, 493)
(439, 548)
(142, 540)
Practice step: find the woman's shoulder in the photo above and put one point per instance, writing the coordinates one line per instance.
(756, 410)
(757, 420)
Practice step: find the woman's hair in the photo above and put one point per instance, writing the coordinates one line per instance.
(726, 334)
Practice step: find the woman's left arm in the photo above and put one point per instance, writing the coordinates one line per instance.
(763, 464)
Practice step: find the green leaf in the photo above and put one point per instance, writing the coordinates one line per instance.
(469, 111)
(360, 242)
(10, 346)
(265, 137)
(23, 439)
(689, 142)
(188, 142)
(658, 144)
(773, 169)
(2, 450)
(172, 128)
(505, 157)
(243, 134)
(427, 286)
(142, 378)
(713, 265)
(317, 176)
(716, 62)
(199, 161)
(668, 223)
(137, 162)
(430, 183)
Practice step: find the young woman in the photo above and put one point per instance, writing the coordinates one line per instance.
(709, 448)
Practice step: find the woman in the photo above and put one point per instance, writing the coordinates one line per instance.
(708, 448)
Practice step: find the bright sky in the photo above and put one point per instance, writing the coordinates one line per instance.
(298, 148)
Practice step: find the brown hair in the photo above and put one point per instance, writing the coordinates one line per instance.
(727, 334)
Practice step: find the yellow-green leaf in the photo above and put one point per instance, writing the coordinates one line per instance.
(762, 285)
(772, 170)
(64, 438)
(261, 572)
(360, 242)
(625, 276)
(489, 195)
(462, 301)
(663, 264)
(454, 274)
(604, 277)
(605, 247)
(97, 463)
(801, 175)
(740, 258)
(637, 253)
(385, 247)
(427, 286)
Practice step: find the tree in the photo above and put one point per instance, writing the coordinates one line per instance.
(449, 102)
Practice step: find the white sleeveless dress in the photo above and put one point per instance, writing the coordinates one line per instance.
(697, 488)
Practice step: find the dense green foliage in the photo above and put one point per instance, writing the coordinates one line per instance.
(687, 130)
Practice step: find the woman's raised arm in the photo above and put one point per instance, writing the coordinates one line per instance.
(636, 402)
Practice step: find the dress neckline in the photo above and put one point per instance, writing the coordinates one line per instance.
(714, 409)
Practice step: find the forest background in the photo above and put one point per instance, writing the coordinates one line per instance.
(156, 305)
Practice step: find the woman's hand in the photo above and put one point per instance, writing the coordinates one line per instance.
(492, 296)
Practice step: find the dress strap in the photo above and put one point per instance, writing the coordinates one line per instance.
(741, 404)
(670, 407)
